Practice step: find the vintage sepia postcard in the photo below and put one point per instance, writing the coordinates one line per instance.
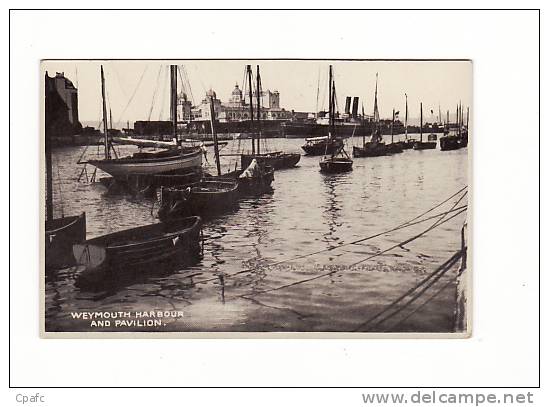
(276, 198)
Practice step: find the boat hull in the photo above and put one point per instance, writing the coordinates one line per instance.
(133, 249)
(61, 234)
(207, 197)
(123, 168)
(336, 165)
(256, 185)
(425, 145)
(324, 147)
(395, 148)
(276, 160)
(450, 143)
(370, 150)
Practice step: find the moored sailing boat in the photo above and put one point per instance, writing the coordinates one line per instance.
(60, 233)
(394, 148)
(338, 161)
(209, 195)
(147, 164)
(408, 143)
(423, 145)
(375, 147)
(275, 159)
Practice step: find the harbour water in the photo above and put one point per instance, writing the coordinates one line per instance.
(306, 212)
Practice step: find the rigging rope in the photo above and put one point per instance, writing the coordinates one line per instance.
(408, 223)
(155, 90)
(133, 94)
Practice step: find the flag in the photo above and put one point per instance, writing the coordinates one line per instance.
(397, 112)
(431, 111)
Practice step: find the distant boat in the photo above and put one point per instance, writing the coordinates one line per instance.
(375, 147)
(460, 137)
(408, 143)
(423, 145)
(146, 246)
(338, 161)
(144, 164)
(60, 233)
(275, 159)
(322, 145)
(394, 148)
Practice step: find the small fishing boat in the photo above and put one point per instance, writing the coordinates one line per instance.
(255, 179)
(322, 145)
(338, 161)
(275, 159)
(202, 198)
(60, 233)
(375, 147)
(423, 145)
(208, 196)
(105, 256)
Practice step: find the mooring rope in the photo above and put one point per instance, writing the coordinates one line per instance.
(435, 275)
(452, 280)
(401, 226)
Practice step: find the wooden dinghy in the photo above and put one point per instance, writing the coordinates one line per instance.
(202, 198)
(277, 159)
(131, 249)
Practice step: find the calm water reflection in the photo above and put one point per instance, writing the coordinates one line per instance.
(306, 212)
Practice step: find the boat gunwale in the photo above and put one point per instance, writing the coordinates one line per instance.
(100, 239)
(75, 219)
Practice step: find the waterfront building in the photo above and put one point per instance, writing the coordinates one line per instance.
(238, 107)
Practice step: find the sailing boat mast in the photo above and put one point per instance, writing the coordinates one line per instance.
(249, 72)
(406, 119)
(105, 127)
(421, 122)
(173, 99)
(330, 103)
(214, 135)
(392, 126)
(376, 114)
(258, 107)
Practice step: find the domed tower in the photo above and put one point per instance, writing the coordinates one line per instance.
(236, 99)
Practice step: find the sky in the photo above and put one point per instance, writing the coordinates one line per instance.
(137, 90)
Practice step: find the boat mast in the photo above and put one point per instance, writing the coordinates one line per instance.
(406, 119)
(330, 104)
(363, 126)
(392, 126)
(105, 127)
(173, 99)
(110, 119)
(467, 119)
(421, 122)
(214, 135)
(376, 113)
(258, 107)
(249, 72)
